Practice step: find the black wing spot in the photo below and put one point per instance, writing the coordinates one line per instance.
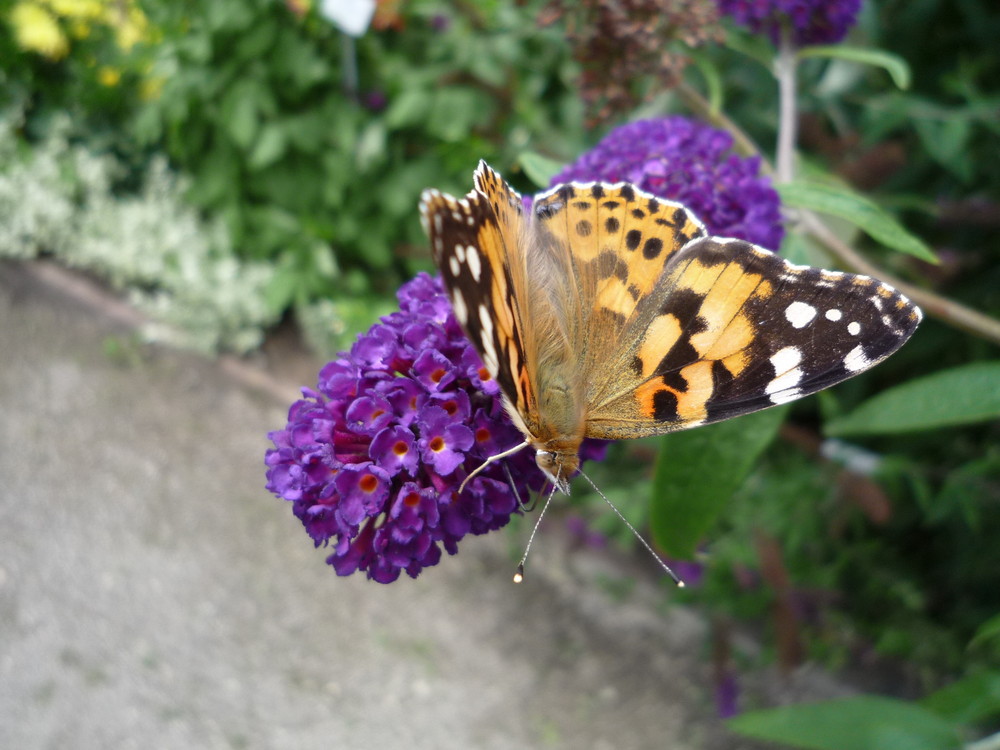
(597, 191)
(628, 193)
(632, 239)
(611, 225)
(584, 228)
(653, 206)
(652, 247)
(638, 213)
(611, 205)
(665, 406)
(582, 205)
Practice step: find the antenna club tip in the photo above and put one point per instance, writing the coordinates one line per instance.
(519, 575)
(680, 585)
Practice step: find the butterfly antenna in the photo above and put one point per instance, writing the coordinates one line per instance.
(519, 575)
(488, 461)
(631, 528)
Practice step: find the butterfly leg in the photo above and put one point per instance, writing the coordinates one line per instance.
(523, 506)
(491, 459)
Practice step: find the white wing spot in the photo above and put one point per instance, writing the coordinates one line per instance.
(460, 253)
(856, 360)
(455, 266)
(490, 358)
(787, 375)
(834, 315)
(461, 309)
(854, 328)
(799, 314)
(474, 261)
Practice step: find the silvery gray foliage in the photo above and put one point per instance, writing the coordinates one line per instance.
(57, 200)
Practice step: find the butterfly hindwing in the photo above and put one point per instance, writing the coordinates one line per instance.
(619, 239)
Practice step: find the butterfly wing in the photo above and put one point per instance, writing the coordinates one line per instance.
(731, 329)
(616, 240)
(476, 243)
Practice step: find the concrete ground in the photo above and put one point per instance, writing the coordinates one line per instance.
(154, 595)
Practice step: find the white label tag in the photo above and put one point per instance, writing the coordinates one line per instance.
(350, 16)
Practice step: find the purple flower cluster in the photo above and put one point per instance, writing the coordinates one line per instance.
(691, 163)
(807, 21)
(372, 460)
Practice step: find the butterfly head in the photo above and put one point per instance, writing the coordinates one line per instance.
(558, 467)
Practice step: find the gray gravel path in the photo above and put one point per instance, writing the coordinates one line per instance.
(154, 595)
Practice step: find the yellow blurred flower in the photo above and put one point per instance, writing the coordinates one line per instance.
(77, 9)
(37, 31)
(108, 76)
(130, 27)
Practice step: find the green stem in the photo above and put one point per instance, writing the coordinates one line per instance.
(785, 71)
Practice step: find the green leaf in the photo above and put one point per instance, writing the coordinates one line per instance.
(961, 395)
(894, 65)
(988, 631)
(539, 169)
(269, 147)
(710, 73)
(866, 722)
(947, 141)
(697, 472)
(968, 701)
(239, 113)
(839, 201)
(456, 110)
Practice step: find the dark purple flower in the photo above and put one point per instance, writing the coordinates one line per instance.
(807, 21)
(375, 101)
(727, 694)
(440, 22)
(691, 163)
(372, 460)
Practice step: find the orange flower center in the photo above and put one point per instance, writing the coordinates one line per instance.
(368, 483)
(437, 444)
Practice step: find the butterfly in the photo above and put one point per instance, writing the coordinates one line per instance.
(603, 311)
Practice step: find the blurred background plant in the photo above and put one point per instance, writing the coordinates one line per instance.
(234, 163)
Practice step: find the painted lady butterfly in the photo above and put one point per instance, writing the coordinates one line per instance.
(605, 312)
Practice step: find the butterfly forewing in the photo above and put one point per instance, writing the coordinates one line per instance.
(738, 329)
(472, 240)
